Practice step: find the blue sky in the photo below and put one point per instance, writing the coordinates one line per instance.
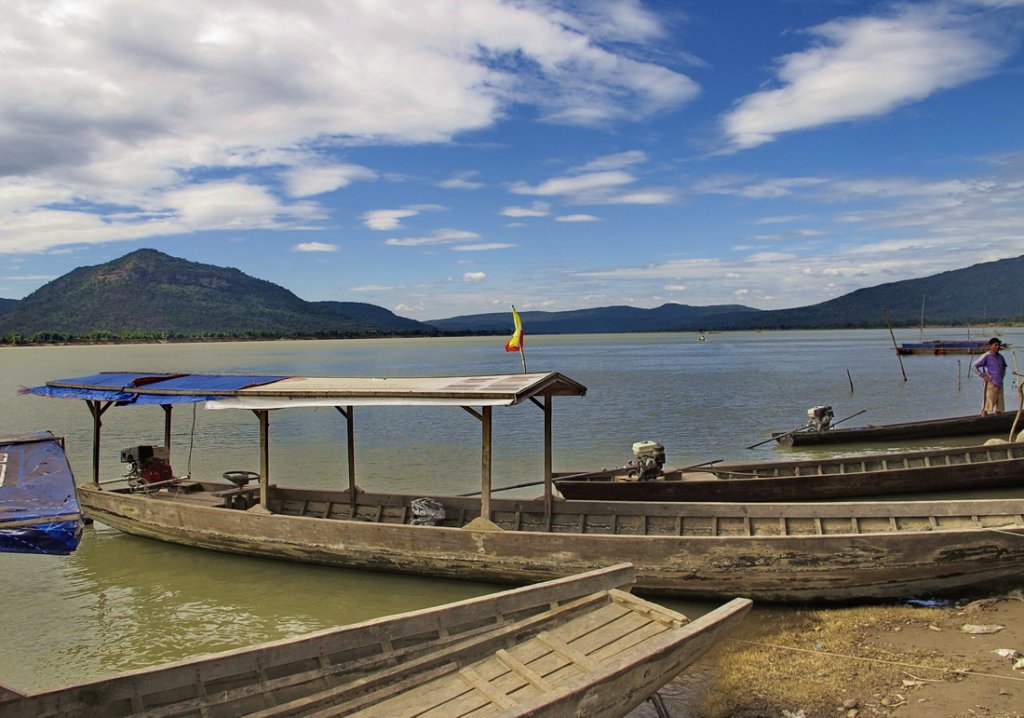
(447, 157)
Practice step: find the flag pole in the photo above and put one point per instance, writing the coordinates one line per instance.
(515, 342)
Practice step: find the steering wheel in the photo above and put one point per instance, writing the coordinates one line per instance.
(241, 478)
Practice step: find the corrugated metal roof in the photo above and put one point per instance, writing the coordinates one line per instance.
(273, 392)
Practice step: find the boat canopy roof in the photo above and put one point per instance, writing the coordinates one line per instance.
(275, 392)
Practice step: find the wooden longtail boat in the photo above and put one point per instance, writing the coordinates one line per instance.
(775, 552)
(942, 346)
(993, 425)
(964, 468)
(578, 641)
(39, 510)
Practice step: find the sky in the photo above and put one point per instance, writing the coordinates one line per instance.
(449, 157)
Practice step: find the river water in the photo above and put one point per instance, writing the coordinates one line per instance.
(122, 602)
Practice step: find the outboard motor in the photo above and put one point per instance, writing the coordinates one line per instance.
(648, 460)
(147, 464)
(819, 418)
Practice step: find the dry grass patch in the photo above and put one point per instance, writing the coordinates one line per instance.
(816, 660)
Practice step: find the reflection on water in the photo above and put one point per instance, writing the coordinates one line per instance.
(123, 602)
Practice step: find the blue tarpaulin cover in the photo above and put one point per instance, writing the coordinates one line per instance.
(119, 387)
(39, 510)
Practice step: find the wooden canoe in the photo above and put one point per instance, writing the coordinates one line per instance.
(917, 472)
(580, 641)
(801, 552)
(991, 425)
(776, 552)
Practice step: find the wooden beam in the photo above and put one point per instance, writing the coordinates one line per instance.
(547, 462)
(264, 417)
(167, 425)
(350, 436)
(96, 408)
(485, 464)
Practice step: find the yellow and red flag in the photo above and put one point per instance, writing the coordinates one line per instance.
(515, 342)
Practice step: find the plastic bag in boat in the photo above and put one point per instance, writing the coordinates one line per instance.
(426, 512)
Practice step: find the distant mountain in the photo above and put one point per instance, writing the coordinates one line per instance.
(988, 293)
(149, 294)
(667, 317)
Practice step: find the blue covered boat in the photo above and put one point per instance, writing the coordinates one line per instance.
(39, 510)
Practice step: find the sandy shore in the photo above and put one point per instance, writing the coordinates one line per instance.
(860, 662)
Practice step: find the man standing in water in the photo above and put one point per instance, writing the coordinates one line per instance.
(991, 366)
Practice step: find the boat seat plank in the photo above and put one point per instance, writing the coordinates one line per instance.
(523, 670)
(492, 694)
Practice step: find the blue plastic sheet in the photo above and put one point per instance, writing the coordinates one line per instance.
(39, 511)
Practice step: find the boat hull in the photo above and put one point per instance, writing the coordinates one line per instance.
(993, 425)
(769, 552)
(916, 472)
(633, 648)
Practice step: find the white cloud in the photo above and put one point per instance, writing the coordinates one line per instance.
(387, 220)
(440, 236)
(463, 180)
(864, 67)
(594, 182)
(537, 209)
(577, 218)
(315, 247)
(614, 162)
(233, 205)
(473, 277)
(310, 181)
(116, 102)
(485, 247)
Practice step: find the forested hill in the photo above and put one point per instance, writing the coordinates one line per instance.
(982, 294)
(150, 295)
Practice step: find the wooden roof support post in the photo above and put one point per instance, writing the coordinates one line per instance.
(264, 416)
(548, 483)
(96, 408)
(167, 425)
(485, 465)
(350, 436)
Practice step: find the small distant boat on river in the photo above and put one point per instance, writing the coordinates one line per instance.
(917, 472)
(39, 510)
(974, 425)
(542, 650)
(942, 346)
(802, 552)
